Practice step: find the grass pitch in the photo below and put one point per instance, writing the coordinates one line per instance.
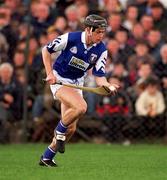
(85, 162)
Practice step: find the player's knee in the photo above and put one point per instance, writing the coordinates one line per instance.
(82, 109)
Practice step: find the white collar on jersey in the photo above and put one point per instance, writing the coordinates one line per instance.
(83, 39)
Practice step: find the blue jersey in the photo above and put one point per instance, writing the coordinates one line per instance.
(75, 58)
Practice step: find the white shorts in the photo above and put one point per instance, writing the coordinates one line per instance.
(54, 88)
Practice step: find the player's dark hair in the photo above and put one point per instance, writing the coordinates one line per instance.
(95, 21)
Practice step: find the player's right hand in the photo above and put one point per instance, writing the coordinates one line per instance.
(114, 88)
(51, 79)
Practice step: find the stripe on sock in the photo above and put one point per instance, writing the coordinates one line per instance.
(51, 150)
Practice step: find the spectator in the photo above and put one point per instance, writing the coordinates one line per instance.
(52, 32)
(19, 60)
(121, 73)
(115, 24)
(160, 67)
(149, 4)
(10, 94)
(33, 9)
(4, 46)
(71, 14)
(13, 5)
(83, 10)
(42, 39)
(33, 49)
(21, 45)
(41, 19)
(151, 102)
(151, 105)
(136, 35)
(131, 17)
(53, 8)
(90, 98)
(140, 4)
(109, 66)
(23, 30)
(113, 6)
(7, 31)
(154, 43)
(60, 24)
(147, 23)
(143, 72)
(159, 16)
(124, 49)
(137, 59)
(22, 79)
(113, 50)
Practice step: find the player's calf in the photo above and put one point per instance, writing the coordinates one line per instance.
(70, 132)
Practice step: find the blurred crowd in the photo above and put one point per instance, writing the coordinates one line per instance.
(136, 40)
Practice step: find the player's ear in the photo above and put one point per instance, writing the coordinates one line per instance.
(89, 30)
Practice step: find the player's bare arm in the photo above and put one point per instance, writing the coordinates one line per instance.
(50, 77)
(102, 81)
(55, 46)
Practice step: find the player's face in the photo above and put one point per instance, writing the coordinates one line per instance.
(98, 35)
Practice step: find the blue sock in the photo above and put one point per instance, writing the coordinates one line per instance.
(61, 128)
(49, 153)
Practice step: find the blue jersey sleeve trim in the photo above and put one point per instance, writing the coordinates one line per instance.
(49, 50)
(98, 74)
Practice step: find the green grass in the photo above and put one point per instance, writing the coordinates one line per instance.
(85, 162)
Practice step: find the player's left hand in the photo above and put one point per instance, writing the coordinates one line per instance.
(51, 78)
(114, 88)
